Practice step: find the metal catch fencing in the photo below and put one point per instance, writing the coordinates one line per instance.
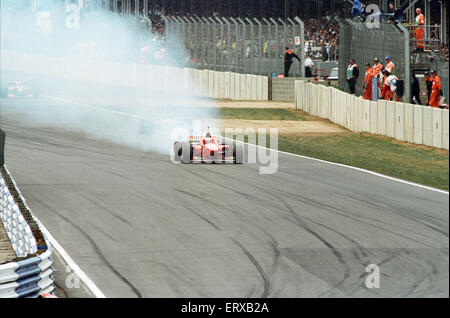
(241, 45)
(358, 41)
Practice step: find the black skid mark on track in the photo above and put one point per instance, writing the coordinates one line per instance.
(335, 252)
(266, 281)
(258, 266)
(105, 209)
(302, 224)
(96, 248)
(334, 209)
(410, 215)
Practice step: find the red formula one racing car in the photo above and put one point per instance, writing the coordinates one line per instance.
(18, 89)
(208, 149)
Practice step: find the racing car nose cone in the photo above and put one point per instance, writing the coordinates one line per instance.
(212, 152)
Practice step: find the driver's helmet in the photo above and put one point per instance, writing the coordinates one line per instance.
(208, 140)
(208, 135)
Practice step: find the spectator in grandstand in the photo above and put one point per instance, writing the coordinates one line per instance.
(288, 55)
(415, 89)
(324, 52)
(395, 15)
(444, 53)
(368, 83)
(322, 31)
(398, 13)
(357, 9)
(309, 64)
(429, 85)
(265, 46)
(420, 21)
(436, 90)
(352, 75)
(329, 51)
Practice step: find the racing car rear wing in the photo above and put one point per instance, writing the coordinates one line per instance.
(199, 138)
(195, 138)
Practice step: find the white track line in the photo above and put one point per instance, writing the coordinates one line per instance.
(283, 152)
(71, 263)
(61, 251)
(64, 100)
(354, 168)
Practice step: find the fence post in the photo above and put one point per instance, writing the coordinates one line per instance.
(229, 57)
(2, 147)
(302, 46)
(269, 46)
(277, 46)
(252, 45)
(283, 44)
(407, 62)
(260, 49)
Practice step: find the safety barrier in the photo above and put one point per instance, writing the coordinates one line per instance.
(227, 85)
(402, 121)
(31, 273)
(201, 83)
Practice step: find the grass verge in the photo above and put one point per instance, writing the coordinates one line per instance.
(261, 114)
(420, 164)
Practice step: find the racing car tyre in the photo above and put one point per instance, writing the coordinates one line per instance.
(177, 150)
(186, 152)
(238, 153)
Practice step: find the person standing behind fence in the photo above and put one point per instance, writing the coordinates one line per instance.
(288, 55)
(352, 75)
(376, 79)
(368, 83)
(390, 66)
(420, 20)
(436, 91)
(429, 84)
(309, 64)
(390, 85)
(415, 89)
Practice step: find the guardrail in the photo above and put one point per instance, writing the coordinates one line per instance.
(32, 272)
(406, 122)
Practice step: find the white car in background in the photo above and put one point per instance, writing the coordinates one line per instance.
(334, 74)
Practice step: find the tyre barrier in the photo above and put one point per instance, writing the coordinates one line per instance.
(30, 272)
(27, 278)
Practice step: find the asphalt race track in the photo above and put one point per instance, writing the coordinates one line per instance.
(141, 226)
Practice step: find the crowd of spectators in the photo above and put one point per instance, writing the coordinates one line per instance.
(158, 27)
(444, 53)
(322, 33)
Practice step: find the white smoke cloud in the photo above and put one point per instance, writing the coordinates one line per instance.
(98, 66)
